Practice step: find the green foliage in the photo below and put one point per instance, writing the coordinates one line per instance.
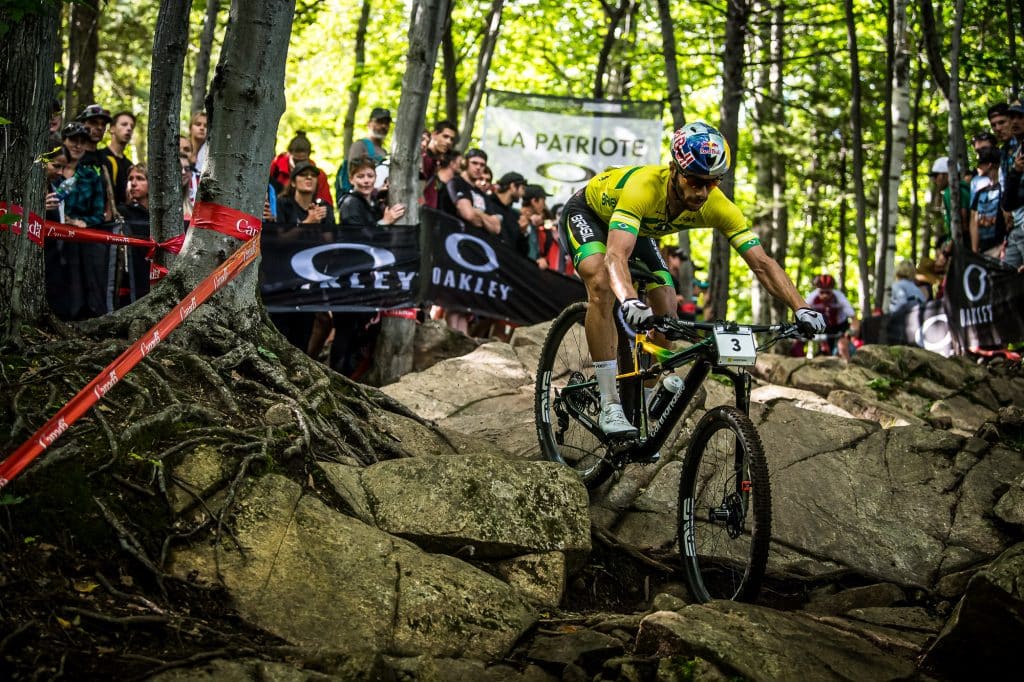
(883, 386)
(9, 218)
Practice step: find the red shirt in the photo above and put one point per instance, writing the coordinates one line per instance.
(281, 173)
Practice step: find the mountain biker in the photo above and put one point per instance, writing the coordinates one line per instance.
(835, 308)
(617, 215)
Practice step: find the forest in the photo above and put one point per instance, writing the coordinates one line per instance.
(193, 488)
(837, 111)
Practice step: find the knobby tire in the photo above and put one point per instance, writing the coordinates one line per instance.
(717, 564)
(564, 359)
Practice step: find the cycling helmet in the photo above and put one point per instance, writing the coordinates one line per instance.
(824, 281)
(699, 149)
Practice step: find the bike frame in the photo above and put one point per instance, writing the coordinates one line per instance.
(704, 357)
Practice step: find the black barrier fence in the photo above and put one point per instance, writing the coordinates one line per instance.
(983, 308)
(366, 269)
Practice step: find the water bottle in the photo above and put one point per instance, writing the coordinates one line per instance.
(670, 385)
(66, 187)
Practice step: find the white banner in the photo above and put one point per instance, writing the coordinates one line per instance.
(562, 152)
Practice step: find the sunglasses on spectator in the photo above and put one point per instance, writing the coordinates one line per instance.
(700, 183)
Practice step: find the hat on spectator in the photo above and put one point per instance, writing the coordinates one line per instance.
(73, 129)
(94, 111)
(534, 192)
(380, 114)
(940, 166)
(1016, 109)
(512, 178)
(988, 155)
(303, 166)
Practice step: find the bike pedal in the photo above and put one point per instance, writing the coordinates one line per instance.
(622, 443)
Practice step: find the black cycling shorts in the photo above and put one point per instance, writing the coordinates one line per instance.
(587, 234)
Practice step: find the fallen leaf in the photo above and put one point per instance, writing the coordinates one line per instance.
(85, 586)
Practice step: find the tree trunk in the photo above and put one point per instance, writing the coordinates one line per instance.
(857, 143)
(675, 105)
(26, 70)
(764, 148)
(844, 163)
(83, 46)
(170, 40)
(393, 355)
(732, 97)
(1011, 48)
(355, 88)
(780, 209)
(615, 16)
(957, 151)
(450, 77)
(918, 247)
(247, 100)
(492, 27)
(932, 44)
(202, 72)
(899, 126)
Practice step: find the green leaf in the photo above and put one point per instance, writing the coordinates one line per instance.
(9, 218)
(268, 354)
(4, 121)
(8, 499)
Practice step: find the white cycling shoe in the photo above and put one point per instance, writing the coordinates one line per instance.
(614, 423)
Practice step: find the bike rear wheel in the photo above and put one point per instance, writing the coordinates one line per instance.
(565, 362)
(724, 508)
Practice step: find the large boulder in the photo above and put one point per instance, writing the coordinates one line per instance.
(475, 507)
(981, 637)
(320, 579)
(756, 643)
(487, 393)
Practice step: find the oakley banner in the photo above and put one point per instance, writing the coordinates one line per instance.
(561, 142)
(364, 270)
(984, 300)
(373, 268)
(468, 270)
(925, 325)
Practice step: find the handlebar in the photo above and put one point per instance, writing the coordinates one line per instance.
(668, 325)
(674, 328)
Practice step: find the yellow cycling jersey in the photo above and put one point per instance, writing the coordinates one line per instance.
(633, 198)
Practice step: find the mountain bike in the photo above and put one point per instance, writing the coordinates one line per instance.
(724, 516)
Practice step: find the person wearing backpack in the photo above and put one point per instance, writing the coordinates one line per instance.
(371, 147)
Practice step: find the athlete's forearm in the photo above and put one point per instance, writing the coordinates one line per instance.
(774, 279)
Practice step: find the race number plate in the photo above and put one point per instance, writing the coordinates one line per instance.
(735, 346)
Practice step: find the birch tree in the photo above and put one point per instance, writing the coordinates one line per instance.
(899, 127)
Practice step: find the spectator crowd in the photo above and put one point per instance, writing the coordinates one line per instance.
(98, 187)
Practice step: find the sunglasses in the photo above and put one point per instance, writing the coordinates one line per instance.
(701, 183)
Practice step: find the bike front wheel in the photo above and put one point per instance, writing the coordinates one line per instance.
(724, 508)
(566, 394)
